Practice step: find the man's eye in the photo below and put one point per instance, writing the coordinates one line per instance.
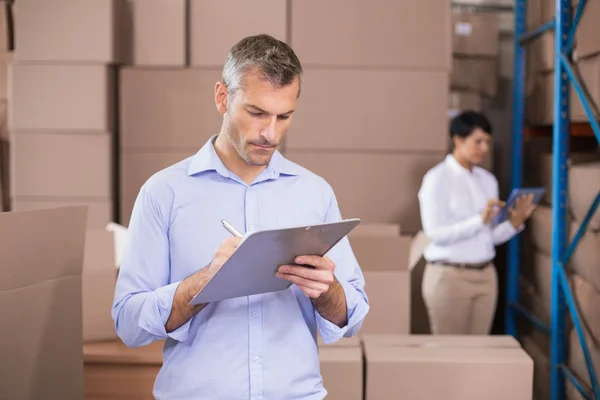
(255, 114)
(284, 117)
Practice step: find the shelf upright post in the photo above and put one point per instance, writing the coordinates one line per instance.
(560, 152)
(518, 123)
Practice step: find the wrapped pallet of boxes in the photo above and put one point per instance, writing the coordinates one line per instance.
(449, 367)
(383, 257)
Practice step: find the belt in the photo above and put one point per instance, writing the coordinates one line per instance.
(462, 265)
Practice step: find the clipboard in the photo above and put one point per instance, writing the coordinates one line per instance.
(251, 268)
(537, 192)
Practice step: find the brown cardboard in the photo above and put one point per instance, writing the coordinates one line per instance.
(448, 341)
(541, 362)
(587, 299)
(4, 133)
(360, 178)
(475, 34)
(61, 165)
(384, 262)
(100, 212)
(117, 372)
(4, 174)
(136, 168)
(588, 31)
(98, 286)
(71, 31)
(41, 259)
(159, 32)
(475, 74)
(540, 226)
(163, 109)
(531, 301)
(353, 341)
(584, 184)
(451, 373)
(419, 319)
(382, 229)
(241, 19)
(461, 100)
(586, 258)
(5, 62)
(541, 53)
(379, 33)
(342, 372)
(5, 30)
(365, 117)
(589, 74)
(576, 360)
(62, 97)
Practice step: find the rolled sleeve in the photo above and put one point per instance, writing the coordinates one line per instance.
(156, 311)
(357, 309)
(503, 232)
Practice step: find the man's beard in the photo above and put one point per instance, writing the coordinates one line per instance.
(242, 148)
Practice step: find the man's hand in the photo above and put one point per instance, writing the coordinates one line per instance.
(492, 208)
(181, 311)
(521, 211)
(314, 282)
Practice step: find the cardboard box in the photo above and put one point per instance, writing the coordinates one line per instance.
(353, 341)
(586, 258)
(589, 73)
(475, 74)
(100, 211)
(136, 168)
(159, 29)
(540, 53)
(540, 227)
(448, 341)
(363, 108)
(381, 229)
(41, 259)
(419, 318)
(241, 19)
(588, 31)
(576, 360)
(583, 191)
(5, 26)
(70, 31)
(475, 34)
(342, 372)
(115, 371)
(62, 97)
(541, 362)
(384, 262)
(5, 62)
(587, 298)
(61, 165)
(98, 286)
(378, 33)
(361, 178)
(462, 100)
(448, 372)
(167, 109)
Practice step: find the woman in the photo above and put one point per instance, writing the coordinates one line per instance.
(458, 200)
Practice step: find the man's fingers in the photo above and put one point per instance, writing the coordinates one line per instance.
(315, 261)
(306, 273)
(303, 282)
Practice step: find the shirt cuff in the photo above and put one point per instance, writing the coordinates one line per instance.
(357, 309)
(156, 311)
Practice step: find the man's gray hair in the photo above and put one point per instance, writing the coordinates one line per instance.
(264, 54)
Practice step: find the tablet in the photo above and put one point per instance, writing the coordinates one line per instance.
(537, 192)
(251, 268)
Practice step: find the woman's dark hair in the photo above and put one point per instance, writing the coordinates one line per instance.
(466, 122)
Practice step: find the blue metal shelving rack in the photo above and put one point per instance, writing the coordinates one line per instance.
(564, 26)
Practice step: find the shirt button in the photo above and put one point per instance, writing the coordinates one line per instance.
(255, 314)
(251, 227)
(255, 359)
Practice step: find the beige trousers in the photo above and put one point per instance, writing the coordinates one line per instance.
(460, 301)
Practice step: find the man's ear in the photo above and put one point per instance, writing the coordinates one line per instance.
(221, 97)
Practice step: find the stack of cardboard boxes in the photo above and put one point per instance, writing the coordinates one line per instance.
(584, 170)
(372, 120)
(62, 129)
(475, 49)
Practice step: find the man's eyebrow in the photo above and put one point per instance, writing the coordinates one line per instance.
(265, 112)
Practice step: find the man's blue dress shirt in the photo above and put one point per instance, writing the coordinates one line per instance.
(256, 347)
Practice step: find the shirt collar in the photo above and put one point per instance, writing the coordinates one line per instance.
(455, 165)
(207, 159)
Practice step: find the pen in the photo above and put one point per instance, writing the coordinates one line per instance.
(230, 228)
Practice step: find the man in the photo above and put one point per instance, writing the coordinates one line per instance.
(458, 201)
(256, 347)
